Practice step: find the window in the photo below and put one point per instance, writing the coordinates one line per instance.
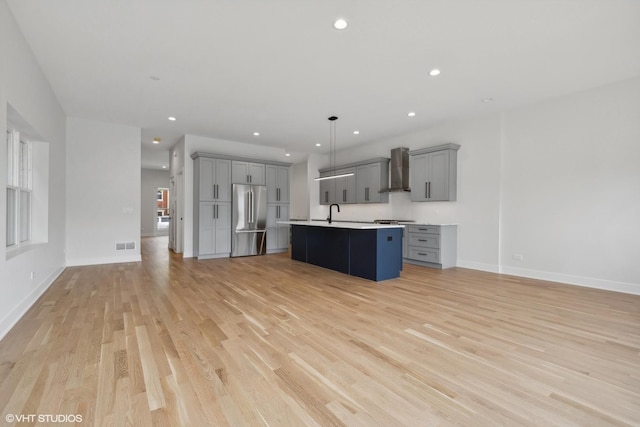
(19, 189)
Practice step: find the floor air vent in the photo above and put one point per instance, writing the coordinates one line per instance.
(125, 246)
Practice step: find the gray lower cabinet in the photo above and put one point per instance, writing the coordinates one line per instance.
(431, 245)
(277, 234)
(433, 173)
(214, 230)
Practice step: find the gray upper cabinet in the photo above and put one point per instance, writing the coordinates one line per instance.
(370, 179)
(214, 181)
(247, 173)
(338, 190)
(277, 184)
(433, 173)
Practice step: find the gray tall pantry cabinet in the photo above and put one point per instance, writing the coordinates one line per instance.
(277, 208)
(433, 173)
(212, 207)
(213, 177)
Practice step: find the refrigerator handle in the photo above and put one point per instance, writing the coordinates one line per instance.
(250, 206)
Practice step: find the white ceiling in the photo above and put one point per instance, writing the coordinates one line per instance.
(229, 68)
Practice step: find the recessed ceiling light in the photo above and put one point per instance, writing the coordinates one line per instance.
(156, 140)
(156, 78)
(340, 24)
(173, 119)
(487, 100)
(434, 72)
(287, 154)
(256, 134)
(318, 145)
(164, 166)
(356, 132)
(411, 114)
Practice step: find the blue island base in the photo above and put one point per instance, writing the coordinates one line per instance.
(374, 254)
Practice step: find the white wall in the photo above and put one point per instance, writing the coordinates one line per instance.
(557, 182)
(103, 191)
(571, 189)
(24, 87)
(152, 179)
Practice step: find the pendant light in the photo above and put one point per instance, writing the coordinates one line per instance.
(332, 153)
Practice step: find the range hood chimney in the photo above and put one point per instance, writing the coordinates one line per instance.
(399, 170)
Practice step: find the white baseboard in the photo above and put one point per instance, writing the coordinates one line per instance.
(491, 268)
(11, 318)
(588, 282)
(104, 260)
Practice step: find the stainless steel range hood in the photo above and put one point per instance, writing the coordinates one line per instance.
(398, 170)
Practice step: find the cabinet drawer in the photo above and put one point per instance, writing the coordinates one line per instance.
(423, 254)
(431, 229)
(424, 240)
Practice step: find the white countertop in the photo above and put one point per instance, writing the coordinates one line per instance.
(352, 225)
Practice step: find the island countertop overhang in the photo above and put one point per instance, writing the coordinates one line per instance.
(336, 224)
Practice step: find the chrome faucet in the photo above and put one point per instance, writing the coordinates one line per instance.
(331, 206)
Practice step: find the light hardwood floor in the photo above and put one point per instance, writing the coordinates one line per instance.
(266, 341)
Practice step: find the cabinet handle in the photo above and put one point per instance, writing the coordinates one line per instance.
(422, 254)
(366, 194)
(344, 195)
(426, 190)
(326, 197)
(429, 189)
(421, 240)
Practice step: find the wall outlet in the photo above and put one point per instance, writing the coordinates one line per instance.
(517, 257)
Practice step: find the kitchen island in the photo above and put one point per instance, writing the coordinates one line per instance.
(370, 251)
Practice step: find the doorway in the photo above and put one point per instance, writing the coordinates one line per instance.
(163, 215)
(175, 209)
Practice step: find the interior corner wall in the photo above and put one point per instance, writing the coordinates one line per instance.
(24, 277)
(103, 192)
(151, 180)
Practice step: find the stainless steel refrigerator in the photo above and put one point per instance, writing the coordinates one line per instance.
(249, 216)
